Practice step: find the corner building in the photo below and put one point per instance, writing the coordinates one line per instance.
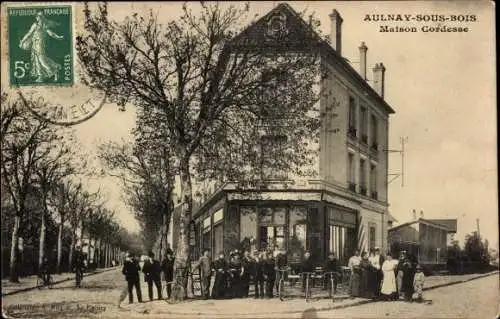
(344, 204)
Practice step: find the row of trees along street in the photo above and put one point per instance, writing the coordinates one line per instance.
(213, 104)
(44, 202)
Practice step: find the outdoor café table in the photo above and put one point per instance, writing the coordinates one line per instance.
(308, 276)
(330, 275)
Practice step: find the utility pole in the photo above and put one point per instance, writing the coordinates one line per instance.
(403, 141)
(477, 225)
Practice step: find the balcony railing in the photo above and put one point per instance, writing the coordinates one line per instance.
(374, 195)
(352, 131)
(362, 190)
(352, 186)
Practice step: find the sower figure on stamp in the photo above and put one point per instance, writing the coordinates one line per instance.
(35, 41)
(131, 271)
(152, 274)
(167, 267)
(205, 266)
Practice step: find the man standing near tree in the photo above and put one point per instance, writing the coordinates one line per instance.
(152, 274)
(167, 266)
(205, 266)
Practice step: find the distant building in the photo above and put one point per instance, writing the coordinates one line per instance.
(425, 239)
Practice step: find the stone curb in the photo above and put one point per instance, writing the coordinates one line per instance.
(461, 281)
(358, 303)
(56, 282)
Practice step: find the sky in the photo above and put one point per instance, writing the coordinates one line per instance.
(441, 85)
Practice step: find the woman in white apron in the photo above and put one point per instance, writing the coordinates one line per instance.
(388, 290)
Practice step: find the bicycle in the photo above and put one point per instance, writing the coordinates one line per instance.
(281, 282)
(40, 283)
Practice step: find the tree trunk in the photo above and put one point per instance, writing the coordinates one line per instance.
(71, 249)
(106, 255)
(14, 274)
(41, 248)
(98, 256)
(59, 245)
(182, 251)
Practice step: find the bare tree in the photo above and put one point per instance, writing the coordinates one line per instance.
(60, 163)
(26, 142)
(206, 78)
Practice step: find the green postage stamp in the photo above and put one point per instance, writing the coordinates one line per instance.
(40, 46)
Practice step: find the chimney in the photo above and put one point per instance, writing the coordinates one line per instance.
(421, 214)
(414, 214)
(336, 31)
(378, 79)
(362, 60)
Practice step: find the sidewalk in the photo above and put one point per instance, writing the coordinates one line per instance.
(29, 283)
(251, 307)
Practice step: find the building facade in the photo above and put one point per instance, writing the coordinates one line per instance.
(426, 239)
(344, 204)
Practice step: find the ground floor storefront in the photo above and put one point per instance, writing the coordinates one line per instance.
(292, 224)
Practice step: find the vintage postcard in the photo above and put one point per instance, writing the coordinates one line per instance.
(300, 159)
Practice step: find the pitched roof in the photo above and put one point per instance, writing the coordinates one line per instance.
(451, 224)
(429, 222)
(300, 34)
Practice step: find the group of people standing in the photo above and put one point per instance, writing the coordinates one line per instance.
(232, 277)
(373, 276)
(152, 270)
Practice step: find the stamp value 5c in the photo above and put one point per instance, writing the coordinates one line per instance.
(40, 46)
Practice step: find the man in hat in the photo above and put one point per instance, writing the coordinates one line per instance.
(131, 270)
(167, 266)
(247, 265)
(220, 267)
(78, 264)
(152, 274)
(332, 271)
(205, 266)
(307, 266)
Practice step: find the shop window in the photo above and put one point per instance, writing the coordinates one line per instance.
(272, 228)
(218, 238)
(218, 215)
(272, 237)
(248, 227)
(298, 233)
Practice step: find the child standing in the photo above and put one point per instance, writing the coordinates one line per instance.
(418, 283)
